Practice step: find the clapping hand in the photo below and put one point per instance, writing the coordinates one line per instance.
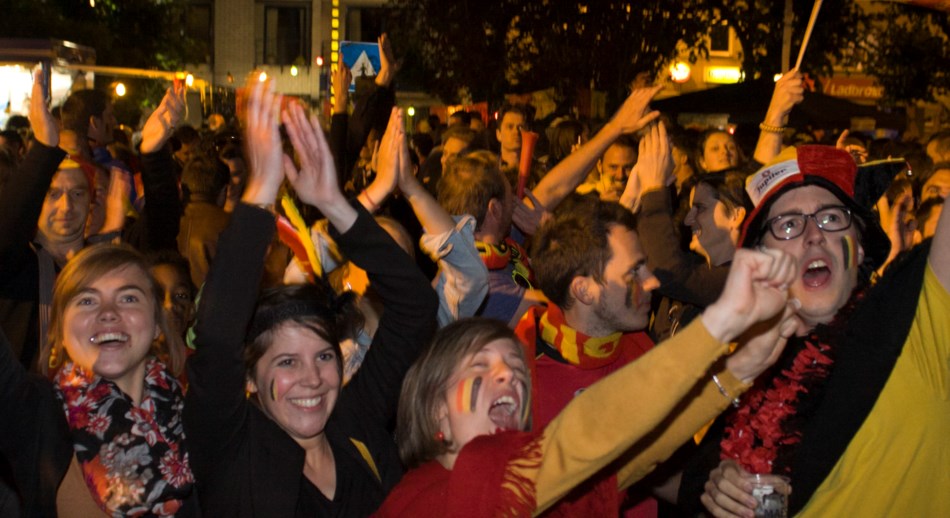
(342, 77)
(262, 140)
(163, 121)
(655, 161)
(117, 200)
(388, 66)
(634, 114)
(45, 129)
(316, 181)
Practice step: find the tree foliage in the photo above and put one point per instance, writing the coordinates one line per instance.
(908, 51)
(486, 49)
(126, 33)
(129, 33)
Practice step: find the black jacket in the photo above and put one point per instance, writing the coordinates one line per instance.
(244, 463)
(21, 201)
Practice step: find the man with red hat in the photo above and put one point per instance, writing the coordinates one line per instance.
(857, 411)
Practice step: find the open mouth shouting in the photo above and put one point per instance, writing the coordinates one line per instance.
(504, 413)
(817, 273)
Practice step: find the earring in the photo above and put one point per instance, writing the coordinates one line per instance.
(439, 436)
(53, 360)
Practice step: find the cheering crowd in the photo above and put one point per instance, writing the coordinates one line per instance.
(268, 317)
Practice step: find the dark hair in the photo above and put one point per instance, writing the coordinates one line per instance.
(424, 386)
(520, 109)
(312, 306)
(463, 116)
(463, 133)
(18, 123)
(204, 177)
(729, 188)
(575, 243)
(563, 138)
(79, 107)
(423, 144)
(186, 135)
(942, 139)
(469, 183)
(175, 260)
(12, 137)
(701, 148)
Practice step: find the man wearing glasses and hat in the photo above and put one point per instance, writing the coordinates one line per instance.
(857, 411)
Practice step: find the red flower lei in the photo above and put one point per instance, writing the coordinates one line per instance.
(756, 430)
(767, 423)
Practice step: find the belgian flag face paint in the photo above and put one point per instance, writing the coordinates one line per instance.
(466, 395)
(273, 390)
(850, 252)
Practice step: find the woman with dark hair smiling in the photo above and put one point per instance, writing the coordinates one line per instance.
(302, 444)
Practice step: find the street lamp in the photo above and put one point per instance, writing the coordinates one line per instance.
(120, 89)
(680, 72)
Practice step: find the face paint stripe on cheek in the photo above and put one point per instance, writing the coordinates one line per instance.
(467, 394)
(525, 409)
(633, 294)
(476, 386)
(850, 255)
(273, 390)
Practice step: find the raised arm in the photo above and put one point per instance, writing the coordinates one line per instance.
(373, 110)
(788, 92)
(462, 280)
(680, 277)
(409, 303)
(163, 203)
(215, 406)
(340, 118)
(22, 196)
(387, 158)
(573, 450)
(633, 115)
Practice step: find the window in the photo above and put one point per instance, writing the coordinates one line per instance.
(199, 26)
(286, 34)
(720, 40)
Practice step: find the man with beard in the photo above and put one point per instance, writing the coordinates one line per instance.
(589, 263)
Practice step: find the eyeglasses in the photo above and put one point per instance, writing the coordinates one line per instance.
(790, 226)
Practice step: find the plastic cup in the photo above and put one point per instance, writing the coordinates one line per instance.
(771, 493)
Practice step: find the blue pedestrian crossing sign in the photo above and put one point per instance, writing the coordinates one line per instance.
(362, 58)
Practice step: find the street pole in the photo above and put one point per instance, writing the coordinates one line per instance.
(787, 36)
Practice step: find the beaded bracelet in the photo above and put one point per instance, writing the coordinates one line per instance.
(768, 128)
(722, 390)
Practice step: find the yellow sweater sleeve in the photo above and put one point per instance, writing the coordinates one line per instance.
(696, 410)
(609, 417)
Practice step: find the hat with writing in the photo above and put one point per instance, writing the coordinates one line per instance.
(858, 188)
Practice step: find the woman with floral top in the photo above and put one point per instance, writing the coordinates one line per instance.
(106, 436)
